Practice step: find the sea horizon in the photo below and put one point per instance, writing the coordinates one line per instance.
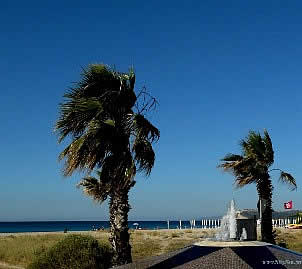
(58, 226)
(184, 219)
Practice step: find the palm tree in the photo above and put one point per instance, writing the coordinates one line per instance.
(110, 134)
(253, 166)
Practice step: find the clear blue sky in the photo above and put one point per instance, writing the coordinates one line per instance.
(217, 68)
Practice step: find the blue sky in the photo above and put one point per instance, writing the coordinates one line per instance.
(217, 68)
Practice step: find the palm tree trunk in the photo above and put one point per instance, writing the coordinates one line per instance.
(265, 189)
(119, 235)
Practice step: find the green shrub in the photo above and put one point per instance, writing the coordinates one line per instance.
(76, 252)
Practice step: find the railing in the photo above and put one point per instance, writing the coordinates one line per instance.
(204, 224)
(210, 223)
(285, 222)
(216, 223)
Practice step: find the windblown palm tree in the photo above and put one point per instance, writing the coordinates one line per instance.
(253, 167)
(108, 136)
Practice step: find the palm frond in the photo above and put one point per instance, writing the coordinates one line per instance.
(244, 146)
(230, 162)
(288, 179)
(227, 166)
(253, 163)
(143, 155)
(85, 152)
(144, 129)
(256, 146)
(98, 189)
(132, 78)
(119, 170)
(231, 158)
(269, 152)
(242, 181)
(76, 115)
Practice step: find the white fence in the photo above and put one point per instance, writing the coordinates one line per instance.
(285, 222)
(216, 223)
(210, 223)
(204, 224)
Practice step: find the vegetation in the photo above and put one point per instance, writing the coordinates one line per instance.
(291, 239)
(24, 249)
(111, 136)
(253, 167)
(74, 251)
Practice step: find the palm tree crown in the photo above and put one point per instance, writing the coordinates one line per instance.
(255, 161)
(99, 116)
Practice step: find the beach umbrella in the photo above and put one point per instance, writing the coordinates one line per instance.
(135, 224)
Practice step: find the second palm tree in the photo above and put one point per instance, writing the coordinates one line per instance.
(253, 166)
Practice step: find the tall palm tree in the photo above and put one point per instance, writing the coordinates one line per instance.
(110, 134)
(253, 166)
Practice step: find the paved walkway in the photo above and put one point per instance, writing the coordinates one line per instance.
(223, 255)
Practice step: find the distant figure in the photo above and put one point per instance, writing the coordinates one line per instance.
(65, 230)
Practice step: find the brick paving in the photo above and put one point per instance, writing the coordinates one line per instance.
(222, 257)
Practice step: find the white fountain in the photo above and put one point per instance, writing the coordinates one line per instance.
(228, 228)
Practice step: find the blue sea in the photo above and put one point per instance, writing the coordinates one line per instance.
(55, 226)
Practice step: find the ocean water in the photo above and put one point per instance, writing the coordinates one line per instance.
(55, 226)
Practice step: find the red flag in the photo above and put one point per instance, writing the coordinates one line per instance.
(288, 205)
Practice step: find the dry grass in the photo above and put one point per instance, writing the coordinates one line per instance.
(291, 238)
(20, 249)
(151, 243)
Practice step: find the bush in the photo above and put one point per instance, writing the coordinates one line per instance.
(76, 252)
